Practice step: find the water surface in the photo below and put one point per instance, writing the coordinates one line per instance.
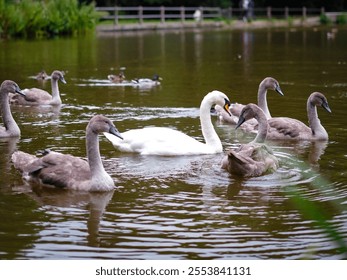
(179, 207)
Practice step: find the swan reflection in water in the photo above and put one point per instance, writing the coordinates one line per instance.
(69, 204)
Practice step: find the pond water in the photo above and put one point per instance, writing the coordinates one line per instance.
(182, 207)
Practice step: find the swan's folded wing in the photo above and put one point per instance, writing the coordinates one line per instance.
(36, 95)
(286, 127)
(63, 170)
(251, 160)
(158, 141)
(52, 169)
(243, 165)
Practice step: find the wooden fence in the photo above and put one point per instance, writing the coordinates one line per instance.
(140, 13)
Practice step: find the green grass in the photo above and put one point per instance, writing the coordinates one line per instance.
(30, 18)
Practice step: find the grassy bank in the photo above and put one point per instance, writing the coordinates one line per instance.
(45, 18)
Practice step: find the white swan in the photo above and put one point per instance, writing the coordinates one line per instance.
(10, 128)
(235, 108)
(36, 96)
(166, 141)
(67, 171)
(254, 158)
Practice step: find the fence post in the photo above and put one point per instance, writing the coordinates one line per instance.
(286, 12)
(162, 14)
(304, 13)
(230, 12)
(182, 14)
(115, 15)
(140, 14)
(268, 12)
(219, 12)
(322, 10)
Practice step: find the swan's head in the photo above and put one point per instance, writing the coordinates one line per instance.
(42, 75)
(248, 112)
(8, 86)
(99, 124)
(319, 99)
(58, 75)
(271, 83)
(218, 98)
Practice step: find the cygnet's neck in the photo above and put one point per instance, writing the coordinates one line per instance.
(10, 124)
(56, 100)
(208, 131)
(100, 180)
(262, 100)
(318, 131)
(262, 126)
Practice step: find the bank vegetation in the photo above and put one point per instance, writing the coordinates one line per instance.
(28, 18)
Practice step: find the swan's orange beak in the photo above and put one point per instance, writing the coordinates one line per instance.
(227, 106)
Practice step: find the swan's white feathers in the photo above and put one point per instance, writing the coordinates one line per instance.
(166, 141)
(154, 140)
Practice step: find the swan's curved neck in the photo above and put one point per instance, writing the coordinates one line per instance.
(262, 102)
(8, 120)
(93, 152)
(99, 178)
(317, 129)
(55, 92)
(262, 128)
(208, 131)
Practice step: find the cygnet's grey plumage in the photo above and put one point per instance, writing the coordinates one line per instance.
(67, 171)
(236, 108)
(10, 128)
(36, 96)
(255, 158)
(293, 129)
(41, 76)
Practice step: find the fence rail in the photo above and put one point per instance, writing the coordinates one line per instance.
(162, 13)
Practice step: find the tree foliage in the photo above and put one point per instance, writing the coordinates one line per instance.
(29, 18)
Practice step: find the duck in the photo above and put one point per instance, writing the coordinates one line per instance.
(170, 142)
(10, 128)
(116, 78)
(264, 86)
(154, 81)
(65, 171)
(36, 96)
(254, 158)
(283, 128)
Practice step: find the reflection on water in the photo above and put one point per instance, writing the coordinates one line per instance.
(179, 207)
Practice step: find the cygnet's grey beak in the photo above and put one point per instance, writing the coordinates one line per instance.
(325, 105)
(115, 132)
(18, 90)
(241, 121)
(278, 89)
